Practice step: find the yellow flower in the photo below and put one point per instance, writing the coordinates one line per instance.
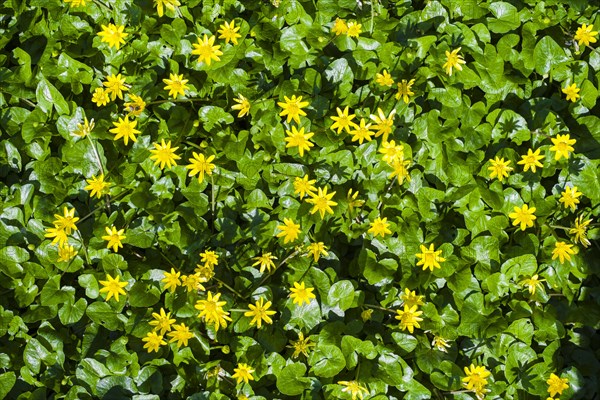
(162, 322)
(113, 287)
(410, 298)
(453, 60)
(383, 126)
(361, 132)
(135, 106)
(200, 165)
(206, 51)
(366, 314)
(301, 346)
(66, 221)
(400, 170)
(100, 97)
(192, 282)
(299, 139)
(84, 129)
(97, 186)
(171, 280)
(259, 312)
(124, 128)
(114, 238)
(384, 79)
(580, 231)
(293, 108)
(153, 341)
(392, 152)
(343, 120)
(562, 251)
(243, 105)
(204, 272)
(379, 227)
(440, 344)
(164, 154)
(210, 258)
(58, 234)
(181, 334)
(289, 230)
(66, 253)
(322, 202)
(76, 3)
(476, 378)
(176, 85)
(354, 29)
(265, 261)
(316, 250)
(569, 197)
(354, 388)
(556, 385)
(340, 27)
(585, 35)
(115, 86)
(352, 201)
(563, 144)
(499, 168)
(211, 310)
(523, 216)
(300, 294)
(113, 35)
(243, 373)
(533, 283)
(404, 90)
(409, 318)
(229, 32)
(430, 258)
(572, 92)
(531, 160)
(170, 4)
(303, 186)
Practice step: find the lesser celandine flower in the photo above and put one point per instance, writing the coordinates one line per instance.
(153, 341)
(409, 318)
(339, 27)
(453, 60)
(297, 138)
(243, 105)
(556, 384)
(135, 106)
(301, 346)
(260, 312)
(361, 132)
(379, 227)
(562, 251)
(200, 165)
(75, 3)
(585, 35)
(383, 125)
(289, 230)
(265, 261)
(113, 34)
(304, 186)
(400, 171)
(164, 155)
(476, 379)
(391, 151)
(569, 197)
(354, 388)
(125, 129)
(533, 283)
(176, 85)
(523, 216)
(206, 50)
(322, 202)
(316, 250)
(169, 4)
(243, 373)
(499, 168)
(292, 108)
(162, 321)
(404, 90)
(100, 97)
(115, 86)
(84, 129)
(172, 280)
(301, 294)
(384, 78)
(114, 238)
(343, 121)
(113, 287)
(410, 298)
(354, 29)
(97, 186)
(180, 334)
(563, 145)
(572, 92)
(580, 231)
(531, 160)
(228, 31)
(430, 258)
(211, 310)
(66, 253)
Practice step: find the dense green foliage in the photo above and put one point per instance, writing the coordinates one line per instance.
(515, 295)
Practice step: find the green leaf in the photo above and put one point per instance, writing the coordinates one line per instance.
(103, 314)
(52, 294)
(48, 96)
(547, 55)
(7, 381)
(341, 294)
(506, 17)
(291, 381)
(326, 360)
(70, 312)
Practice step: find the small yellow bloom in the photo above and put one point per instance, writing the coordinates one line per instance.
(163, 154)
(76, 3)
(113, 35)
(410, 298)
(569, 197)
(404, 90)
(100, 97)
(322, 202)
(171, 280)
(297, 138)
(153, 341)
(304, 186)
(523, 216)
(585, 35)
(354, 29)
(361, 132)
(229, 31)
(170, 4)
(243, 106)
(440, 344)
(343, 121)
(66, 253)
(409, 318)
(400, 170)
(66, 221)
(430, 258)
(180, 334)
(340, 27)
(97, 186)
(192, 282)
(200, 165)
(453, 60)
(265, 261)
(533, 283)
(383, 125)
(293, 108)
(211, 310)
(260, 312)
(84, 129)
(162, 321)
(115, 86)
(562, 251)
(563, 145)
(289, 230)
(243, 373)
(392, 152)
(114, 238)
(301, 346)
(135, 106)
(531, 160)
(384, 78)
(476, 378)
(499, 168)
(176, 85)
(124, 128)
(572, 92)
(316, 250)
(210, 258)
(353, 202)
(300, 294)
(206, 51)
(556, 385)
(354, 388)
(113, 287)
(580, 231)
(379, 227)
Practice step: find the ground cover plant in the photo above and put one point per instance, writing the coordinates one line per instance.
(313, 199)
